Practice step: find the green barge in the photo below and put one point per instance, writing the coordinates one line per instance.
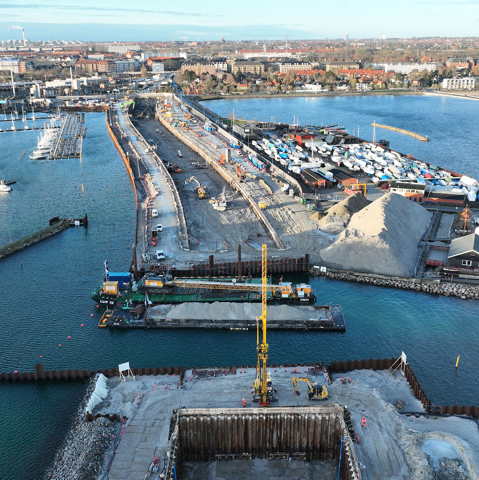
(164, 289)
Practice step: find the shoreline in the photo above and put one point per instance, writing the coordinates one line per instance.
(201, 98)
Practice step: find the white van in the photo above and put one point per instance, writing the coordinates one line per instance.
(154, 212)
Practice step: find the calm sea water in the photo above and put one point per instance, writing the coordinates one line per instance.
(45, 289)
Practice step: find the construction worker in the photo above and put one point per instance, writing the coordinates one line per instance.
(243, 402)
(363, 422)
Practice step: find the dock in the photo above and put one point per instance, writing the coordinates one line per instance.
(70, 138)
(57, 225)
(226, 316)
(401, 130)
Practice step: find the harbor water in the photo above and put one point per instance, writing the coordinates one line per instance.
(45, 289)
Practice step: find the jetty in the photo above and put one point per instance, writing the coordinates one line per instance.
(70, 138)
(402, 130)
(57, 225)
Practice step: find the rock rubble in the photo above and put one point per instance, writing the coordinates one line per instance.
(85, 447)
(459, 290)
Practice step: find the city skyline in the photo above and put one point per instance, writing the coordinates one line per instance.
(118, 20)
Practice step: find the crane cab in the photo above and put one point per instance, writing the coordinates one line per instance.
(319, 392)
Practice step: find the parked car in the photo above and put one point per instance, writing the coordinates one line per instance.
(159, 227)
(180, 154)
(160, 255)
(154, 212)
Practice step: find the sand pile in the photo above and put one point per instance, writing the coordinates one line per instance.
(382, 238)
(337, 217)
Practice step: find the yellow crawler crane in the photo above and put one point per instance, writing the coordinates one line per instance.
(263, 391)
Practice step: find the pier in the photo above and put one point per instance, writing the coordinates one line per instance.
(401, 130)
(57, 225)
(70, 138)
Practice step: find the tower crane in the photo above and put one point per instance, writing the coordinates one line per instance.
(263, 391)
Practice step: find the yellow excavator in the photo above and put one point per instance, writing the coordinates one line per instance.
(201, 191)
(263, 391)
(316, 391)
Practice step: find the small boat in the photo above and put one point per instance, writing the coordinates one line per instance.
(4, 187)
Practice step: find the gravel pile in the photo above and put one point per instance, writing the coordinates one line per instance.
(231, 311)
(337, 217)
(84, 449)
(382, 238)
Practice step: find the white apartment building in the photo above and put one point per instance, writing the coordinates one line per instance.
(466, 83)
(407, 68)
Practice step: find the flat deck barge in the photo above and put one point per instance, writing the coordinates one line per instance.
(226, 316)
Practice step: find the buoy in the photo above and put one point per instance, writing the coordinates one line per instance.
(97, 306)
(82, 324)
(16, 371)
(68, 337)
(60, 345)
(91, 315)
(41, 356)
(457, 361)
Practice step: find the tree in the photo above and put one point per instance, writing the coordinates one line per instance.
(329, 78)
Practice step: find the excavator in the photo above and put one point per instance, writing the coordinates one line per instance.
(201, 191)
(316, 391)
(263, 391)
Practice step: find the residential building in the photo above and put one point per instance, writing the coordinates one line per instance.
(14, 64)
(464, 83)
(256, 68)
(464, 252)
(199, 68)
(407, 68)
(126, 66)
(459, 63)
(335, 66)
(158, 67)
(294, 67)
(122, 49)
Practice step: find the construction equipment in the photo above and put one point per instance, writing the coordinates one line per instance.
(220, 203)
(262, 205)
(240, 173)
(359, 186)
(263, 391)
(201, 191)
(316, 391)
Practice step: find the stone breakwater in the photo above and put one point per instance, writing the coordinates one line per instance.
(86, 446)
(436, 287)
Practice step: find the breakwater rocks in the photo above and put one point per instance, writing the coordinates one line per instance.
(436, 287)
(83, 452)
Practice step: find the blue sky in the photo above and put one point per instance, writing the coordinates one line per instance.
(246, 19)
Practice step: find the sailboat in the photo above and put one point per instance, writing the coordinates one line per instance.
(13, 125)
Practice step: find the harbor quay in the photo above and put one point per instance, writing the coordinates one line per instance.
(202, 423)
(183, 233)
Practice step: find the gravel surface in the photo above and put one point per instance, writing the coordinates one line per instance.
(382, 238)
